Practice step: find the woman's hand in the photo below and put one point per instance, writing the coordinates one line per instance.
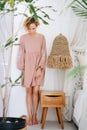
(38, 72)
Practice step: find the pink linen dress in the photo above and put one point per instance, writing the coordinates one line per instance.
(31, 55)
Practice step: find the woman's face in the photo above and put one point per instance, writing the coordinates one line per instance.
(32, 28)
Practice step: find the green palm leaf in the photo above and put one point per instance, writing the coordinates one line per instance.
(80, 8)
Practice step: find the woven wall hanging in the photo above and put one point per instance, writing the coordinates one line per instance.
(60, 56)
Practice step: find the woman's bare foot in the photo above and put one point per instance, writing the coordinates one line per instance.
(35, 120)
(30, 122)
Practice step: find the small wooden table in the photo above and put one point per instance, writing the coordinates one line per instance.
(52, 99)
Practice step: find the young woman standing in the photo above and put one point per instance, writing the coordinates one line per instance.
(32, 62)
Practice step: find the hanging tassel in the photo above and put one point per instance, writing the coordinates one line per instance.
(59, 62)
(60, 56)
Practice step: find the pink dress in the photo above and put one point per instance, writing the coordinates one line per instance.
(31, 55)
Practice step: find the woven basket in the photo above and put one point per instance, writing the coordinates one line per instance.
(60, 56)
(25, 117)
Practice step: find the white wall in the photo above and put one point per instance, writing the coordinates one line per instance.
(64, 23)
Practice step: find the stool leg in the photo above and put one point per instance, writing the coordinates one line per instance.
(44, 116)
(57, 115)
(60, 117)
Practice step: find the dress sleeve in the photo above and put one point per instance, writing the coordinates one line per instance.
(21, 56)
(42, 62)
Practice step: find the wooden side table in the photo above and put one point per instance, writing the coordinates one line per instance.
(52, 99)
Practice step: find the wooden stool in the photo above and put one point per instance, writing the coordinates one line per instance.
(52, 99)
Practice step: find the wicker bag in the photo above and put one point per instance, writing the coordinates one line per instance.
(25, 117)
(60, 56)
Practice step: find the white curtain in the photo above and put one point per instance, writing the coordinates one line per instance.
(83, 121)
(6, 28)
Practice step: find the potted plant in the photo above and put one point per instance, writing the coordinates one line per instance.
(7, 7)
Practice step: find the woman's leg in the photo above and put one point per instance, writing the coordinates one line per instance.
(35, 103)
(29, 100)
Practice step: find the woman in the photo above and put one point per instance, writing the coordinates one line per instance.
(32, 61)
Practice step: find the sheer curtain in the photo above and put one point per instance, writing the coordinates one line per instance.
(6, 23)
(78, 43)
(83, 121)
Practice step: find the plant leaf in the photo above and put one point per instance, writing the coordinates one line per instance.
(19, 78)
(44, 21)
(29, 1)
(2, 5)
(9, 42)
(10, 79)
(3, 85)
(80, 8)
(74, 71)
(12, 3)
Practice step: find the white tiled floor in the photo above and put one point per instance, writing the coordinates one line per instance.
(53, 125)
